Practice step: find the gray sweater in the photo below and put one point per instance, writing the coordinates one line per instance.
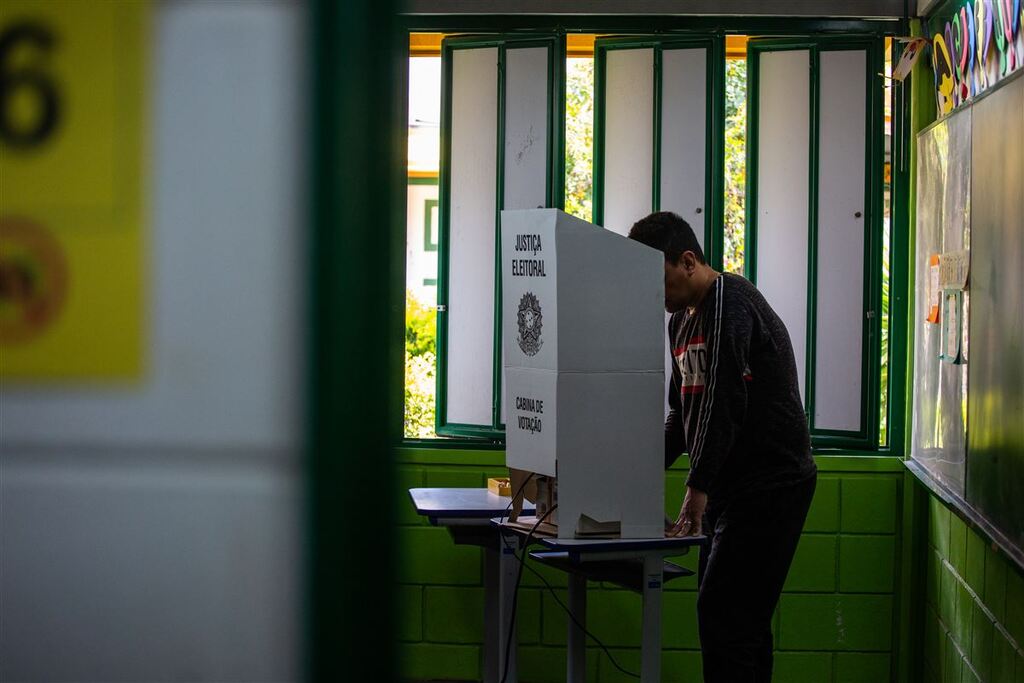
(734, 400)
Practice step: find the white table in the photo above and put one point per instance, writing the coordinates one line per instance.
(638, 564)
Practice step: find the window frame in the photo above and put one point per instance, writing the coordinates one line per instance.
(866, 437)
(714, 125)
(901, 198)
(554, 198)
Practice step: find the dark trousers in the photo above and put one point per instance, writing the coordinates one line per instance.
(751, 545)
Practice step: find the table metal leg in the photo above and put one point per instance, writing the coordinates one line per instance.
(577, 645)
(492, 613)
(507, 575)
(650, 652)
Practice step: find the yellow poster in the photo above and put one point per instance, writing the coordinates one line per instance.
(71, 188)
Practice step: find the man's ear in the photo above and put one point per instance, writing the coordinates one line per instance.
(688, 261)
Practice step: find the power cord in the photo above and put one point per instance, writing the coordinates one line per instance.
(565, 608)
(515, 595)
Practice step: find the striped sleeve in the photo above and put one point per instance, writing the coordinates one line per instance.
(727, 333)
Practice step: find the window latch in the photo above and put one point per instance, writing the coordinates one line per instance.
(441, 308)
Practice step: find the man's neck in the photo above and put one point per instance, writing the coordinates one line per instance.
(708, 276)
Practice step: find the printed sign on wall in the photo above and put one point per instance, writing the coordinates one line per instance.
(71, 133)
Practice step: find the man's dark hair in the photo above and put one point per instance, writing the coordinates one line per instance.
(668, 233)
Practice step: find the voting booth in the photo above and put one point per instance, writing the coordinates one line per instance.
(583, 333)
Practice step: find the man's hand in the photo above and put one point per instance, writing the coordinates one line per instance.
(690, 514)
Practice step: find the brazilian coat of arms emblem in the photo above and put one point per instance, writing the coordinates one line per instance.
(530, 322)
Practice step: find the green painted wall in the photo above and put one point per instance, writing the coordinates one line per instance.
(973, 605)
(837, 620)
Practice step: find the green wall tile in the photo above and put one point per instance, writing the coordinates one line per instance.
(933, 639)
(453, 615)
(866, 564)
(1014, 612)
(933, 574)
(555, 577)
(975, 562)
(679, 621)
(958, 545)
(429, 661)
(1020, 668)
(982, 631)
(439, 477)
(681, 666)
(800, 667)
(608, 673)
(964, 616)
(995, 583)
(547, 664)
(861, 667)
(615, 616)
(553, 619)
(1003, 659)
(868, 504)
(824, 512)
(430, 556)
(954, 662)
(528, 613)
(408, 478)
(938, 526)
(967, 674)
(410, 612)
(814, 565)
(835, 622)
(675, 488)
(947, 596)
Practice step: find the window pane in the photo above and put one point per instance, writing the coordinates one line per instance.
(628, 142)
(684, 136)
(734, 239)
(839, 318)
(579, 137)
(470, 351)
(421, 249)
(782, 191)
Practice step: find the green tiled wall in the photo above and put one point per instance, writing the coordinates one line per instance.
(974, 606)
(835, 620)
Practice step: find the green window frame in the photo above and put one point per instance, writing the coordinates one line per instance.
(866, 436)
(714, 177)
(554, 198)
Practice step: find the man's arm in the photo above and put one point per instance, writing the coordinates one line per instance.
(723, 407)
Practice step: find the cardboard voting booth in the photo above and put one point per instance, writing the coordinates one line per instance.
(583, 333)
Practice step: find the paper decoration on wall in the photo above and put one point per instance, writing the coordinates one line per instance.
(911, 53)
(980, 44)
(943, 75)
(934, 295)
(954, 268)
(952, 328)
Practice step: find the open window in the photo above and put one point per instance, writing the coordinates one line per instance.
(501, 148)
(815, 221)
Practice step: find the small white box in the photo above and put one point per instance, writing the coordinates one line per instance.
(583, 321)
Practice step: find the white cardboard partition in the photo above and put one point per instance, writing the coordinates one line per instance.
(628, 137)
(783, 153)
(583, 361)
(471, 236)
(841, 219)
(684, 138)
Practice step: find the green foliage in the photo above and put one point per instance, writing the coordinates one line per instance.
(420, 326)
(420, 367)
(579, 138)
(735, 163)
